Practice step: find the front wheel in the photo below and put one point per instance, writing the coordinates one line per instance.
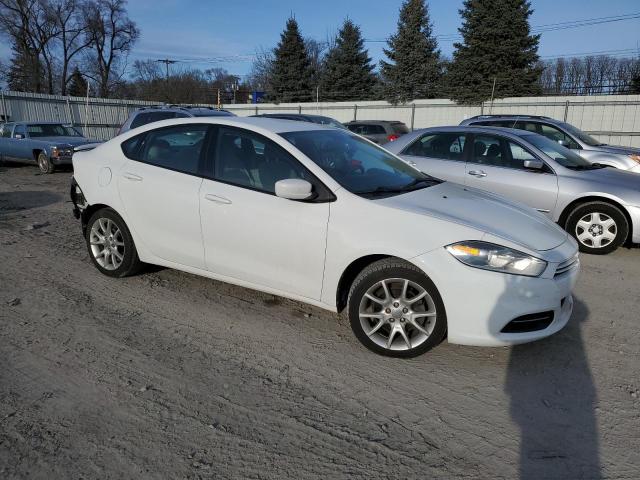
(396, 310)
(110, 244)
(44, 163)
(598, 227)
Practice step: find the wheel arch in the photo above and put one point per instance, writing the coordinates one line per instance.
(36, 152)
(564, 216)
(89, 211)
(351, 272)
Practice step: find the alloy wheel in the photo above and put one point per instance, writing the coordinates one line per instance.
(397, 314)
(596, 230)
(107, 243)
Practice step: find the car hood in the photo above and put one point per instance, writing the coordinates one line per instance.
(617, 149)
(73, 141)
(482, 211)
(611, 177)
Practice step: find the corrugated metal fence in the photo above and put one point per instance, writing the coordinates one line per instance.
(612, 119)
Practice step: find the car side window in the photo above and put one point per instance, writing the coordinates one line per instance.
(447, 146)
(375, 130)
(558, 135)
(247, 159)
(488, 150)
(518, 156)
(20, 130)
(149, 117)
(175, 148)
(6, 130)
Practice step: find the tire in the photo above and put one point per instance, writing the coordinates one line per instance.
(423, 320)
(598, 227)
(44, 163)
(122, 259)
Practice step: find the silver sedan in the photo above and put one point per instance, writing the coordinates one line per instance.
(599, 206)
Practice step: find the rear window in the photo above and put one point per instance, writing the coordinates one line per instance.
(399, 128)
(149, 117)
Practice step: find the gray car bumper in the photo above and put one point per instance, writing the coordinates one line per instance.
(634, 213)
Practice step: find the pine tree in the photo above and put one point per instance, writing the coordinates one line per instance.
(291, 74)
(25, 72)
(78, 85)
(414, 68)
(347, 68)
(497, 44)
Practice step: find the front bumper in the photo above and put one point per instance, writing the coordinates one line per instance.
(62, 160)
(480, 303)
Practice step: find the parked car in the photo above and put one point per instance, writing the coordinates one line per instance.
(145, 115)
(598, 206)
(378, 131)
(48, 144)
(592, 150)
(300, 117)
(322, 216)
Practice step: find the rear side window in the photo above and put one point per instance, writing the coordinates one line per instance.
(175, 148)
(448, 146)
(20, 130)
(6, 130)
(149, 117)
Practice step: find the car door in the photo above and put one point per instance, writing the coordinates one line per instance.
(496, 164)
(249, 233)
(159, 185)
(440, 154)
(5, 141)
(21, 149)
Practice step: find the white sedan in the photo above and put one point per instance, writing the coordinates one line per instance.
(325, 217)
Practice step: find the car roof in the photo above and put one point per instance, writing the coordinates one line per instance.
(373, 122)
(479, 118)
(514, 132)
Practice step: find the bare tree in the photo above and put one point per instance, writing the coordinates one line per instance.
(111, 35)
(72, 37)
(32, 28)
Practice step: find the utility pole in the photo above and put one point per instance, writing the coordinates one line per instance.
(167, 62)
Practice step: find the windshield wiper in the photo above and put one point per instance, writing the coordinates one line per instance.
(401, 189)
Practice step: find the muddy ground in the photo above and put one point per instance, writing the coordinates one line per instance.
(168, 375)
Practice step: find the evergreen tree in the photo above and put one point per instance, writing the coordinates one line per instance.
(291, 74)
(414, 69)
(25, 72)
(347, 68)
(78, 85)
(497, 44)
(635, 83)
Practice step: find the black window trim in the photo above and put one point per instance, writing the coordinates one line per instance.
(201, 161)
(323, 193)
(465, 149)
(551, 171)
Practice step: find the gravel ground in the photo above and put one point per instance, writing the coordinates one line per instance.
(168, 375)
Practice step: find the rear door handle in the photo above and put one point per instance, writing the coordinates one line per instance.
(132, 176)
(217, 199)
(477, 173)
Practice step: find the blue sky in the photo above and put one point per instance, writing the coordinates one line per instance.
(219, 29)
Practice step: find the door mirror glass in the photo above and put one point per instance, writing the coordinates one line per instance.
(18, 136)
(294, 189)
(534, 164)
(563, 143)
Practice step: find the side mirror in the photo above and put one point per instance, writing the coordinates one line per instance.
(18, 136)
(294, 189)
(563, 143)
(534, 164)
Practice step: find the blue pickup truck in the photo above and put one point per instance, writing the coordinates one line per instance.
(46, 143)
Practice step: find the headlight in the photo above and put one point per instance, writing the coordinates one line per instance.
(635, 157)
(489, 256)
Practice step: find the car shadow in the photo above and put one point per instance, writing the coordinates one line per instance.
(25, 200)
(553, 400)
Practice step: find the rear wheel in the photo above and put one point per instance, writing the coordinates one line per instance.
(598, 227)
(396, 310)
(110, 244)
(44, 163)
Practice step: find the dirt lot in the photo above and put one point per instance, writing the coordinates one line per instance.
(168, 375)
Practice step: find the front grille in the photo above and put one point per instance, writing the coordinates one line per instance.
(567, 265)
(529, 323)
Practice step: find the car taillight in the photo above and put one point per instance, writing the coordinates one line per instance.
(392, 137)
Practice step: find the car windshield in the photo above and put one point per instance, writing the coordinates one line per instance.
(583, 137)
(565, 157)
(357, 165)
(51, 130)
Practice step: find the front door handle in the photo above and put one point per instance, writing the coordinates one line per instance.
(477, 173)
(217, 199)
(132, 176)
